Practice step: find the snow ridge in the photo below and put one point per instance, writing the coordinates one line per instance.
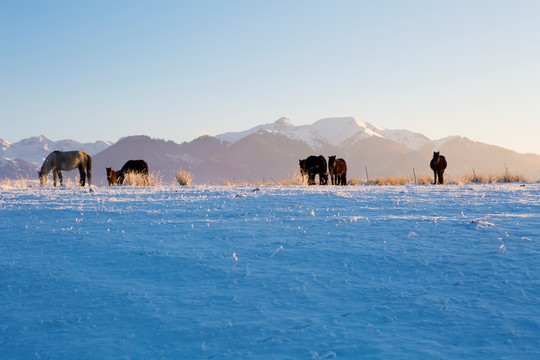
(338, 132)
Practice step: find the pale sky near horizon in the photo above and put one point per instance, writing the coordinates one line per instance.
(173, 70)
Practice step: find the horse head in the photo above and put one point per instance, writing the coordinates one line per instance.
(303, 169)
(111, 176)
(42, 177)
(331, 160)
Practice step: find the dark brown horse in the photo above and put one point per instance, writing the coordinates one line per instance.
(312, 166)
(338, 170)
(438, 165)
(131, 166)
(67, 161)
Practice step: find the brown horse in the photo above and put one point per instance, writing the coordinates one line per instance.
(438, 165)
(112, 176)
(338, 170)
(131, 166)
(67, 161)
(313, 165)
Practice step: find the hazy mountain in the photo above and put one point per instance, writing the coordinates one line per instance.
(24, 158)
(270, 152)
(35, 149)
(387, 152)
(467, 155)
(163, 157)
(337, 132)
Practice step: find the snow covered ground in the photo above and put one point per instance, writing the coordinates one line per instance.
(441, 272)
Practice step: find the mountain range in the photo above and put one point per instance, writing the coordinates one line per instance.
(270, 152)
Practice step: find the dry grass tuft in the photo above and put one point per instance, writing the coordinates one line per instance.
(19, 183)
(138, 179)
(183, 178)
(506, 177)
(389, 181)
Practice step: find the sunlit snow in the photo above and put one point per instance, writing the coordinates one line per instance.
(422, 272)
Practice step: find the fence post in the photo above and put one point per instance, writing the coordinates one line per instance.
(367, 176)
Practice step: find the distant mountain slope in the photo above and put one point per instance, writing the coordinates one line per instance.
(24, 158)
(467, 155)
(162, 156)
(338, 132)
(270, 152)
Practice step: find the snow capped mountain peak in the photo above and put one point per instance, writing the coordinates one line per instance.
(338, 132)
(283, 122)
(4, 144)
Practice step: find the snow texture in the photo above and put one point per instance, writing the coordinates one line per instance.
(419, 272)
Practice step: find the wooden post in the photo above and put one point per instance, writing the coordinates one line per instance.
(367, 176)
(414, 173)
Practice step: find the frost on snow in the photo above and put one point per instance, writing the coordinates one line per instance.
(285, 272)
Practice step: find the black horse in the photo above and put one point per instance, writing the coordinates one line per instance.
(313, 165)
(338, 170)
(133, 166)
(438, 165)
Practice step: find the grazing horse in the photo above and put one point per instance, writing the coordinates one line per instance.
(313, 165)
(112, 176)
(131, 166)
(438, 164)
(67, 161)
(338, 170)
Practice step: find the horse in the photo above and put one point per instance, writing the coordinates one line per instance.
(338, 170)
(438, 164)
(67, 161)
(112, 176)
(313, 165)
(134, 166)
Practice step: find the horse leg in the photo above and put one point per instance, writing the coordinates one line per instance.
(344, 179)
(82, 174)
(435, 177)
(55, 176)
(323, 179)
(441, 178)
(61, 178)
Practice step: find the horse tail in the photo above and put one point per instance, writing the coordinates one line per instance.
(89, 169)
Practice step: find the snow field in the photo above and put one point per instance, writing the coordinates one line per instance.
(440, 272)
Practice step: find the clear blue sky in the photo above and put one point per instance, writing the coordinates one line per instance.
(102, 70)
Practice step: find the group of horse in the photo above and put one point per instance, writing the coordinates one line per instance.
(311, 166)
(131, 166)
(59, 161)
(337, 168)
(316, 165)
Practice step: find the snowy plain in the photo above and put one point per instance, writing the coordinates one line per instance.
(274, 272)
